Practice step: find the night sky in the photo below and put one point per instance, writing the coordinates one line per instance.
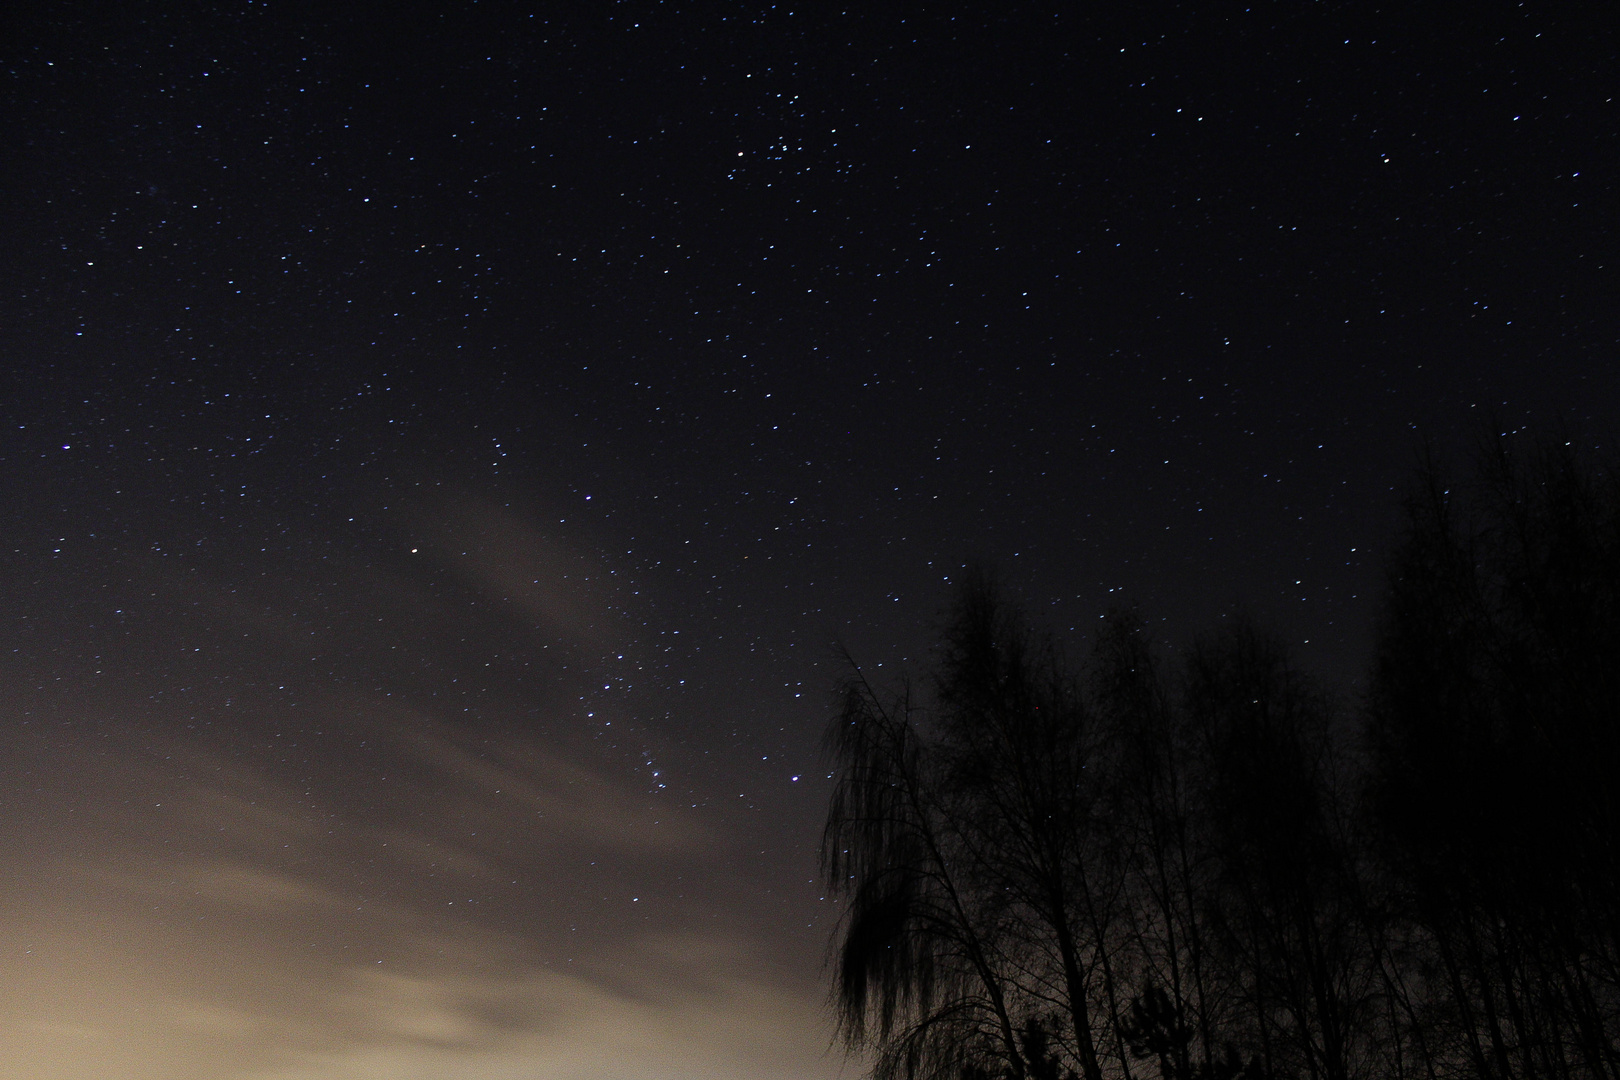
(442, 447)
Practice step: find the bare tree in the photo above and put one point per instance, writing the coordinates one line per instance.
(1495, 731)
(921, 972)
(1285, 895)
(1057, 870)
(983, 892)
(1166, 854)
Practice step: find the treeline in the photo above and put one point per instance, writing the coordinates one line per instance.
(1130, 866)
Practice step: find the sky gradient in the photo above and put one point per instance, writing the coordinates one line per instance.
(444, 447)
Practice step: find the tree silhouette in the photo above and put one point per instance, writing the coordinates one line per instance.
(1429, 894)
(1285, 890)
(920, 971)
(1157, 1028)
(1043, 1060)
(1014, 849)
(963, 839)
(1495, 735)
(1159, 829)
(1019, 744)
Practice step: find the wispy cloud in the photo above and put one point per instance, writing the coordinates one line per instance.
(254, 842)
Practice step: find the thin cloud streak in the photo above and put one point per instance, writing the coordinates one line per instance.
(244, 927)
(255, 842)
